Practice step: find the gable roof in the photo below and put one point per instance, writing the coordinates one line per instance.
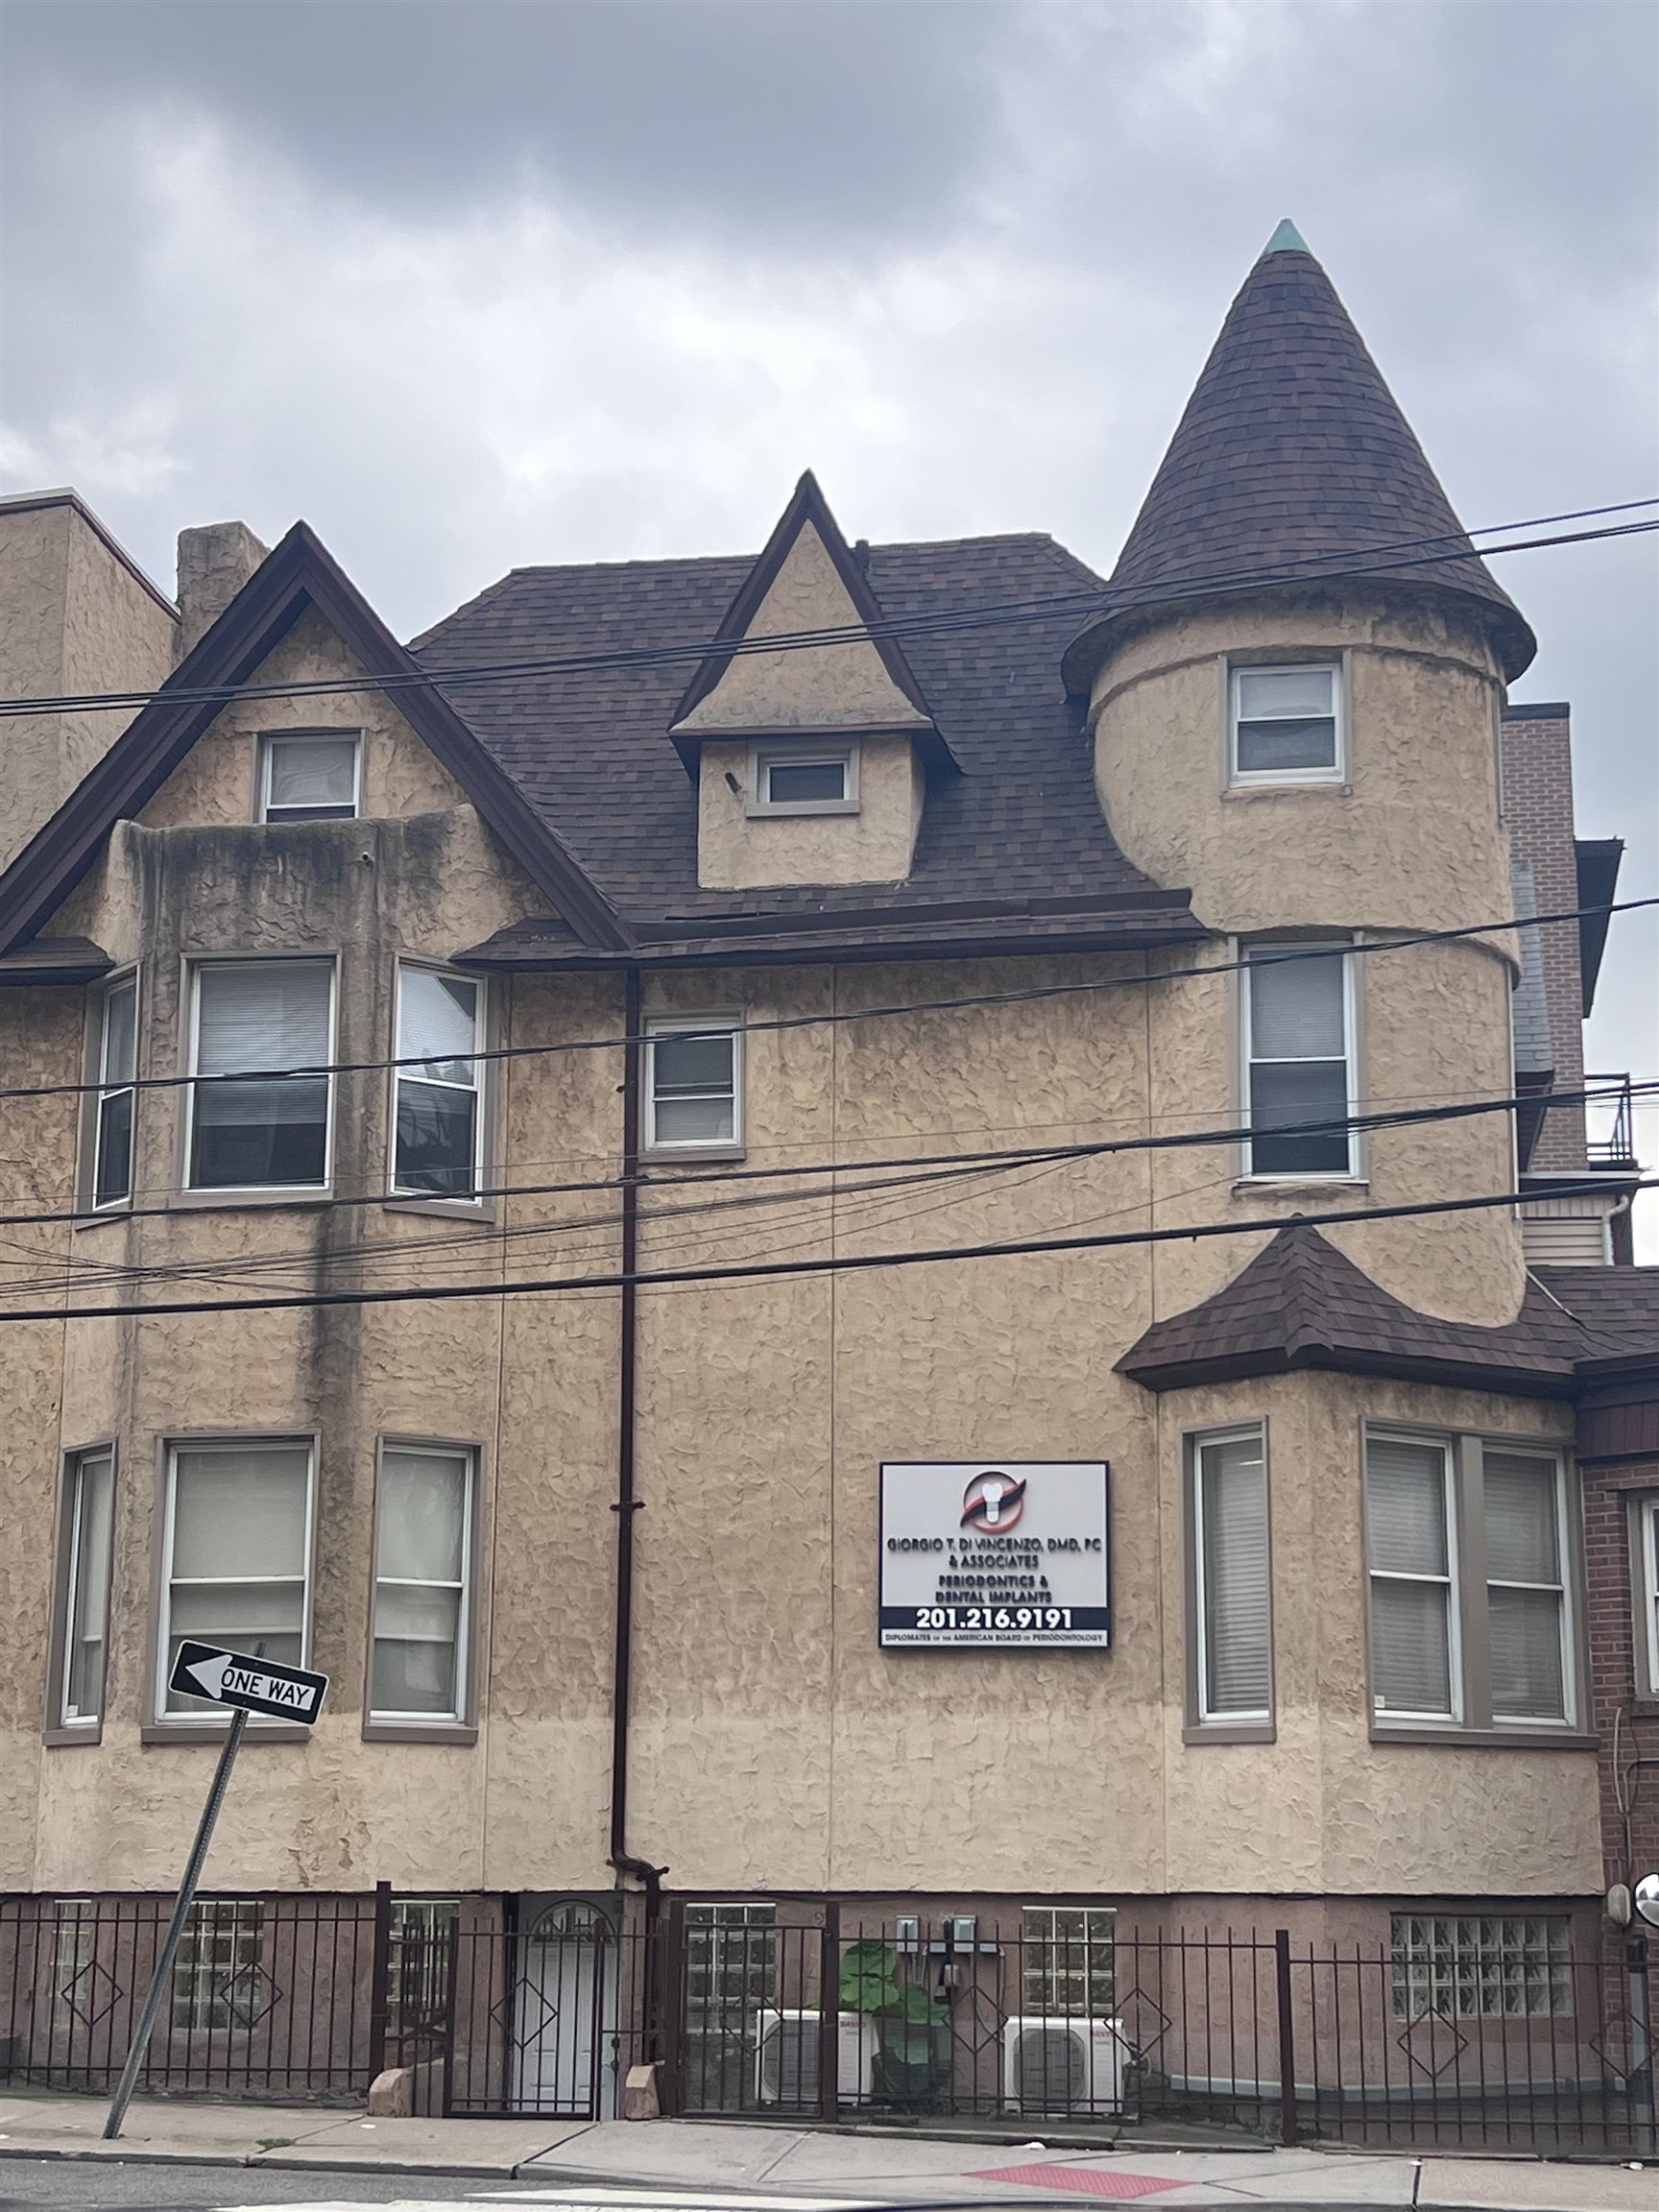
(807, 510)
(1292, 458)
(1301, 1303)
(1013, 852)
(298, 574)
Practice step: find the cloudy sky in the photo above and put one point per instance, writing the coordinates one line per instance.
(469, 283)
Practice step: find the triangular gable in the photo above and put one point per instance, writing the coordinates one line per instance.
(298, 574)
(805, 580)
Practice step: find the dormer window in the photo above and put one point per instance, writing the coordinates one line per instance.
(821, 781)
(1285, 725)
(310, 776)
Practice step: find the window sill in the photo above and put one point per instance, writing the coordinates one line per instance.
(68, 1733)
(688, 1155)
(418, 1732)
(1299, 1186)
(1522, 1737)
(755, 811)
(1230, 1732)
(215, 1731)
(288, 1194)
(1305, 786)
(479, 1210)
(99, 1217)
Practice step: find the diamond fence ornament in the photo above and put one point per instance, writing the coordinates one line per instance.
(91, 1993)
(1144, 2020)
(1431, 2041)
(248, 1995)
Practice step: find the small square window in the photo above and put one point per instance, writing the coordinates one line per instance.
(1284, 725)
(694, 1085)
(798, 782)
(311, 777)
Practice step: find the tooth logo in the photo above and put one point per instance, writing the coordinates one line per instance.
(993, 1502)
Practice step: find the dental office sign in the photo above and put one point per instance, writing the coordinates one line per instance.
(996, 1556)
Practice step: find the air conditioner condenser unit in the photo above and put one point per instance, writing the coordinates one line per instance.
(1064, 2065)
(787, 2057)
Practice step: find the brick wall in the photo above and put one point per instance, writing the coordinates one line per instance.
(1538, 812)
(1619, 1708)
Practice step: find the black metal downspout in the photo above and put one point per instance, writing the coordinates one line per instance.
(627, 1504)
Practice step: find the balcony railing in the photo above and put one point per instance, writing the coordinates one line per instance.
(1612, 1142)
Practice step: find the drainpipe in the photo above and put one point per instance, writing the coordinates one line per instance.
(627, 1504)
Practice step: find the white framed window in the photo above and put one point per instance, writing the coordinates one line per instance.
(1470, 1559)
(1068, 1960)
(422, 1583)
(89, 1520)
(803, 779)
(1525, 1508)
(117, 1071)
(310, 776)
(260, 1124)
(437, 1116)
(237, 1554)
(1482, 1965)
(1300, 1080)
(1231, 1579)
(693, 1083)
(1284, 725)
(1412, 1547)
(1645, 1566)
(218, 1982)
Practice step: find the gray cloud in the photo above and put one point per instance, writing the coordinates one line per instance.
(471, 284)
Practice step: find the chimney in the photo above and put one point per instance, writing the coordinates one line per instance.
(214, 563)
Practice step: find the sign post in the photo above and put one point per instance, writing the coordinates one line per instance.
(247, 1685)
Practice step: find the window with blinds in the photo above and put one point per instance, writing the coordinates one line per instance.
(1468, 1558)
(1408, 1529)
(1299, 1076)
(257, 1121)
(1231, 1579)
(422, 1584)
(238, 1549)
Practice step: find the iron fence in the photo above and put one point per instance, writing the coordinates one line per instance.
(1449, 2034)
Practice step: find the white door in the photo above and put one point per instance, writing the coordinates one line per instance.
(565, 2015)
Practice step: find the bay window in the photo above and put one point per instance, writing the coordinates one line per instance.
(437, 1123)
(1299, 1062)
(257, 1123)
(237, 1554)
(1229, 1579)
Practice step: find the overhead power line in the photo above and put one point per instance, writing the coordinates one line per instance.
(1359, 563)
(1276, 955)
(739, 1271)
(985, 1160)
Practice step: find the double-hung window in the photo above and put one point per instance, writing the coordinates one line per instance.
(238, 1550)
(1644, 1576)
(1284, 725)
(437, 1119)
(1230, 1580)
(117, 1068)
(257, 1119)
(1299, 1060)
(88, 1517)
(693, 1084)
(310, 776)
(1471, 1590)
(423, 1574)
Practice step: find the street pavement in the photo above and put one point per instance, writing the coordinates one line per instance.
(175, 2156)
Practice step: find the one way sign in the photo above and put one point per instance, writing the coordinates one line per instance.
(257, 1685)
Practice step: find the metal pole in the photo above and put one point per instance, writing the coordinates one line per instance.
(182, 1905)
(1287, 2124)
(1641, 2049)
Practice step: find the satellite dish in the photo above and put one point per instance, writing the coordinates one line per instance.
(1647, 1899)
(1618, 1905)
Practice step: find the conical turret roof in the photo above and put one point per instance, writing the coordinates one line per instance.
(1293, 461)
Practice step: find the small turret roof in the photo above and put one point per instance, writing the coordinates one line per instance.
(1293, 460)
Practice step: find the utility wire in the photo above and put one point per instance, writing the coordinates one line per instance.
(1410, 552)
(839, 1263)
(1263, 956)
(406, 1203)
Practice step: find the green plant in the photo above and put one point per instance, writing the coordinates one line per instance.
(907, 2018)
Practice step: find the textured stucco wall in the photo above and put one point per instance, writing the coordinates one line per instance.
(839, 687)
(78, 621)
(736, 850)
(774, 1746)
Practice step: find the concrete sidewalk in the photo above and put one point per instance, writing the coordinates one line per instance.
(593, 2164)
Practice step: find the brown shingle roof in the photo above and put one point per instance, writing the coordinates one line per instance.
(1302, 1303)
(1292, 452)
(1018, 832)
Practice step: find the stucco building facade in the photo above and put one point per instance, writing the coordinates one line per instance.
(492, 1121)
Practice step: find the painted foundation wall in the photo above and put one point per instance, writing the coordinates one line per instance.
(774, 1746)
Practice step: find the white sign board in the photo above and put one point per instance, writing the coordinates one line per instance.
(998, 1557)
